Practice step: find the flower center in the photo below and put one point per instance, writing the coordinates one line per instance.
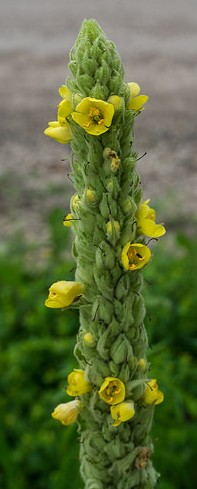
(111, 390)
(95, 116)
(134, 257)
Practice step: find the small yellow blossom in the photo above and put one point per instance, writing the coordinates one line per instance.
(135, 256)
(122, 412)
(146, 221)
(89, 339)
(136, 101)
(60, 129)
(67, 413)
(77, 383)
(63, 294)
(112, 390)
(95, 116)
(152, 395)
(68, 220)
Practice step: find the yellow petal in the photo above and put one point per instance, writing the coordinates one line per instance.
(65, 92)
(122, 412)
(135, 256)
(64, 109)
(151, 229)
(63, 294)
(77, 383)
(152, 394)
(146, 221)
(62, 134)
(68, 220)
(137, 103)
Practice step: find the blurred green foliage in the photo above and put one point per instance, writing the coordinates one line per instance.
(37, 354)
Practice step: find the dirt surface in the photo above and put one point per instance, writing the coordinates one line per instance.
(157, 42)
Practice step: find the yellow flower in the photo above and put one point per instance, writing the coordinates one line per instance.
(146, 221)
(77, 383)
(112, 391)
(95, 116)
(152, 395)
(122, 412)
(62, 293)
(136, 101)
(68, 220)
(135, 256)
(67, 413)
(60, 129)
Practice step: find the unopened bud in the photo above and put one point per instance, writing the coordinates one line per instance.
(90, 195)
(113, 230)
(142, 363)
(116, 101)
(89, 339)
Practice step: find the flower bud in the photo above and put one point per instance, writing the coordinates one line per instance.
(67, 413)
(142, 364)
(90, 196)
(113, 230)
(77, 383)
(117, 102)
(89, 339)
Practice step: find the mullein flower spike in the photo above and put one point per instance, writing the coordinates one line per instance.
(97, 115)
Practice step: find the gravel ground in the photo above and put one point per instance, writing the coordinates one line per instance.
(157, 42)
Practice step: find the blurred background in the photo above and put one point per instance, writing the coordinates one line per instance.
(157, 43)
